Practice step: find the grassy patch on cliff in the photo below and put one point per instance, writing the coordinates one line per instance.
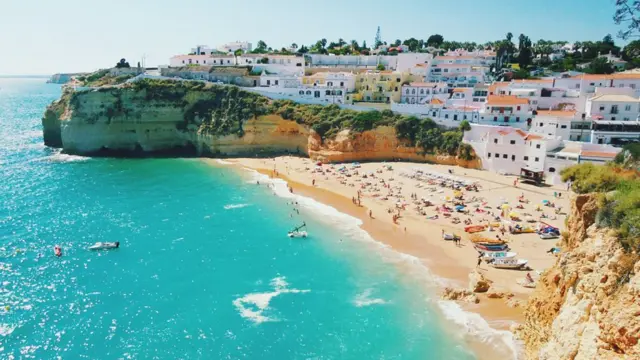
(103, 78)
(619, 187)
(222, 110)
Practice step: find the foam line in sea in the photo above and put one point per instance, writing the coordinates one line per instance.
(473, 326)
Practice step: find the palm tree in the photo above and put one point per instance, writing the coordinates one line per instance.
(354, 45)
(294, 46)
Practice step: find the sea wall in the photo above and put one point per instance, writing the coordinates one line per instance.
(588, 305)
(126, 120)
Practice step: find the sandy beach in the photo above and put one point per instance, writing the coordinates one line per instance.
(398, 206)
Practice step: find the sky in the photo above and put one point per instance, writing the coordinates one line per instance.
(50, 36)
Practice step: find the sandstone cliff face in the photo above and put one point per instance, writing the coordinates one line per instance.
(130, 122)
(588, 305)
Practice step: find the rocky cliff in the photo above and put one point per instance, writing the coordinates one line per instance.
(588, 305)
(206, 121)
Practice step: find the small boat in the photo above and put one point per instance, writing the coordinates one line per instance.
(297, 233)
(549, 235)
(474, 228)
(493, 248)
(498, 255)
(105, 245)
(510, 263)
(447, 236)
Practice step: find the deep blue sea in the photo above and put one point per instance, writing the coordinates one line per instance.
(204, 271)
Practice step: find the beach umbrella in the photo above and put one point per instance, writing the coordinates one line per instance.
(545, 201)
(459, 207)
(514, 214)
(505, 206)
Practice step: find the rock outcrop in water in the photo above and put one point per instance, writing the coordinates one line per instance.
(208, 120)
(588, 305)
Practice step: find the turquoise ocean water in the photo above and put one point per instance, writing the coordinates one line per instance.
(204, 271)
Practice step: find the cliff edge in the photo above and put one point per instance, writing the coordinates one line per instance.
(198, 119)
(588, 305)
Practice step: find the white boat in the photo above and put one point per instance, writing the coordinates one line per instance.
(448, 236)
(297, 234)
(547, 236)
(498, 255)
(510, 263)
(104, 245)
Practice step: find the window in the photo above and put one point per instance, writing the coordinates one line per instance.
(465, 117)
(268, 82)
(563, 126)
(301, 92)
(537, 159)
(526, 158)
(204, 61)
(577, 86)
(552, 170)
(633, 86)
(591, 84)
(421, 91)
(196, 61)
(433, 114)
(397, 79)
(513, 158)
(518, 108)
(518, 119)
(489, 155)
(627, 108)
(626, 119)
(601, 108)
(541, 124)
(614, 109)
(495, 118)
(341, 83)
(537, 146)
(497, 155)
(183, 61)
(446, 116)
(505, 156)
(512, 142)
(276, 82)
(446, 70)
(396, 88)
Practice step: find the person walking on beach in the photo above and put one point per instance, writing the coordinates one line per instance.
(479, 260)
(370, 214)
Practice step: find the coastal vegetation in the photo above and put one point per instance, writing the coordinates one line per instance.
(102, 78)
(222, 110)
(618, 186)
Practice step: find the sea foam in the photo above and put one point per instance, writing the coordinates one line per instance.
(235, 206)
(471, 323)
(254, 305)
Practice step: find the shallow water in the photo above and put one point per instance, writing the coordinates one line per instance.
(204, 269)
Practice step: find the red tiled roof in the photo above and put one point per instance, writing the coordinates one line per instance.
(437, 101)
(533, 137)
(558, 113)
(598, 154)
(506, 100)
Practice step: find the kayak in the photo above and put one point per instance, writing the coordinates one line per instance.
(104, 246)
(474, 228)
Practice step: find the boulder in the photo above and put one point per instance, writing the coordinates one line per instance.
(478, 283)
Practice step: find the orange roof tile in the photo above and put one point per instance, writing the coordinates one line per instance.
(504, 132)
(457, 90)
(558, 113)
(598, 154)
(624, 76)
(506, 100)
(533, 137)
(437, 101)
(496, 85)
(421, 65)
(522, 133)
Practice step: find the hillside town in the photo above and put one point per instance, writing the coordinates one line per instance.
(523, 116)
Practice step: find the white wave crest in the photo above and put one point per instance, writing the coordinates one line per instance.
(365, 299)
(477, 328)
(222, 162)
(62, 157)
(6, 329)
(235, 206)
(348, 225)
(253, 306)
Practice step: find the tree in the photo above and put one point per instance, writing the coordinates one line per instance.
(396, 43)
(262, 46)
(364, 45)
(628, 14)
(139, 65)
(354, 46)
(412, 43)
(600, 66)
(524, 51)
(380, 67)
(238, 52)
(294, 46)
(323, 42)
(632, 50)
(122, 64)
(464, 126)
(303, 50)
(378, 39)
(435, 40)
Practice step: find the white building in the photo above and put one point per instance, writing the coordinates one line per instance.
(508, 150)
(422, 93)
(236, 45)
(272, 63)
(615, 113)
(206, 60)
(506, 110)
(201, 50)
(412, 62)
(390, 62)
